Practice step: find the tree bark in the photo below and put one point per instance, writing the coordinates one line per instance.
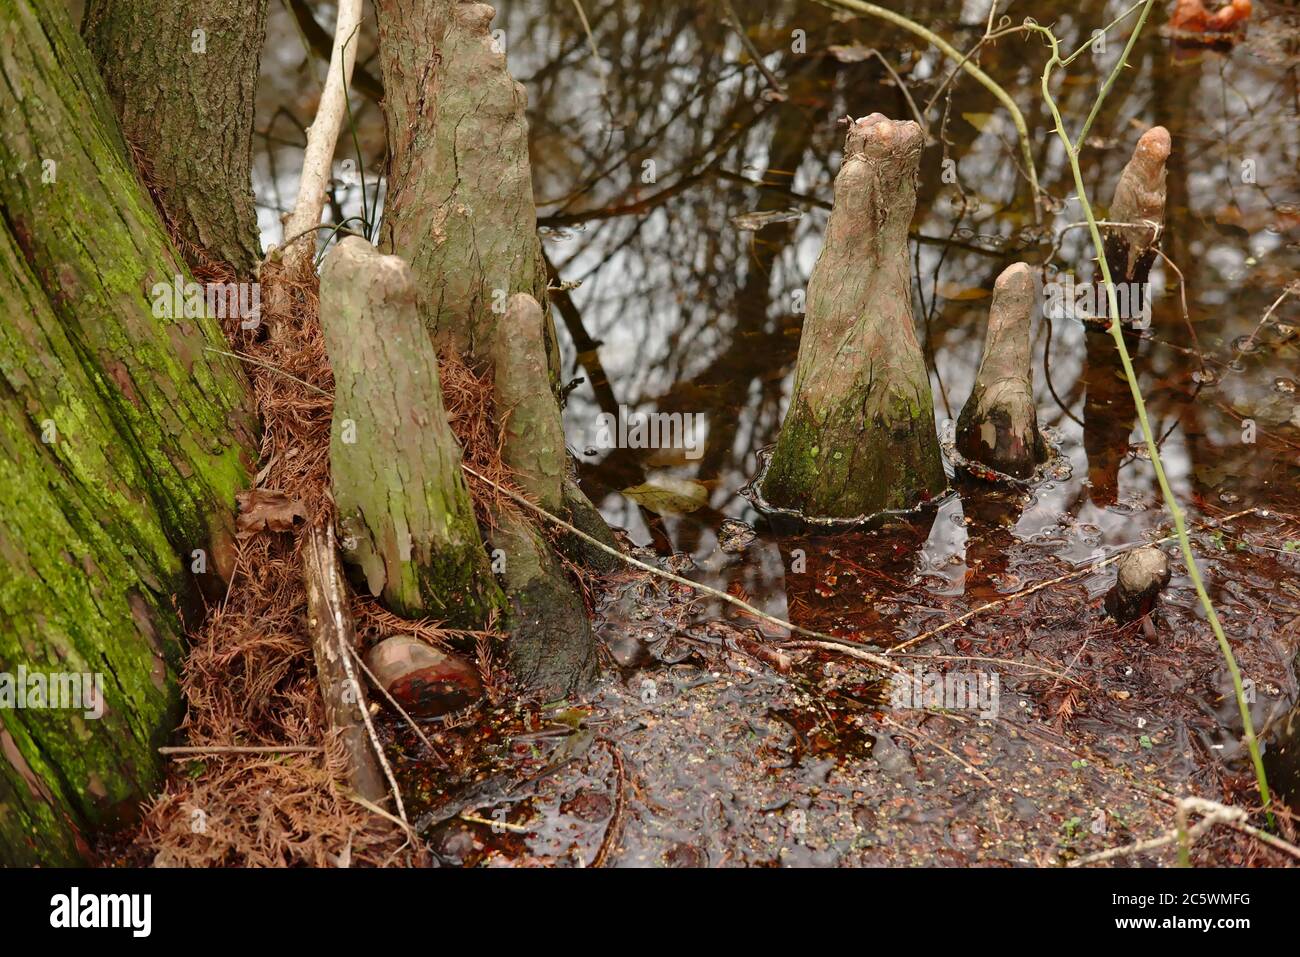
(527, 413)
(859, 435)
(404, 508)
(85, 571)
(124, 440)
(460, 200)
(90, 234)
(551, 652)
(998, 426)
(186, 101)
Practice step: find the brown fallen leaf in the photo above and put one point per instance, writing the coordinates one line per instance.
(265, 509)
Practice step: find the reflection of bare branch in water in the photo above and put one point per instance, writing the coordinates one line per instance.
(680, 311)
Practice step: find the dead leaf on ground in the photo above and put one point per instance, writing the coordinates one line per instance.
(263, 509)
(670, 496)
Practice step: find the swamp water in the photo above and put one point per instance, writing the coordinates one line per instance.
(688, 205)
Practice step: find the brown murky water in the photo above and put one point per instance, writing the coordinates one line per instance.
(696, 752)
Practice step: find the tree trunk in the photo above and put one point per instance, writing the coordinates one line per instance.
(404, 508)
(124, 440)
(460, 201)
(183, 80)
(859, 436)
(1139, 198)
(998, 426)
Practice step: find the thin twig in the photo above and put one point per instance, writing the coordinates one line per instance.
(926, 740)
(752, 50)
(1003, 97)
(271, 368)
(202, 749)
(1214, 813)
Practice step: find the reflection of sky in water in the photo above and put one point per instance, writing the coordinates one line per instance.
(694, 315)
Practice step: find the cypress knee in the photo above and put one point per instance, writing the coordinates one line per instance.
(404, 508)
(551, 651)
(460, 203)
(859, 436)
(1139, 199)
(1140, 577)
(533, 441)
(998, 426)
(533, 433)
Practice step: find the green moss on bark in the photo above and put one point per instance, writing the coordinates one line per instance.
(859, 435)
(123, 439)
(404, 509)
(90, 234)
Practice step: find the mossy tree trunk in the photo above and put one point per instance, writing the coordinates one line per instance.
(460, 202)
(183, 80)
(125, 440)
(404, 508)
(998, 426)
(859, 435)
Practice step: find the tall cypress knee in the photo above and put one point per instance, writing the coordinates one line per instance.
(183, 80)
(404, 508)
(859, 435)
(551, 650)
(533, 433)
(998, 426)
(460, 204)
(1139, 201)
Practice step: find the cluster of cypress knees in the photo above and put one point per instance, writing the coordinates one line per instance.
(859, 437)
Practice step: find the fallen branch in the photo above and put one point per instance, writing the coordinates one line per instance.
(205, 749)
(332, 633)
(1215, 813)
